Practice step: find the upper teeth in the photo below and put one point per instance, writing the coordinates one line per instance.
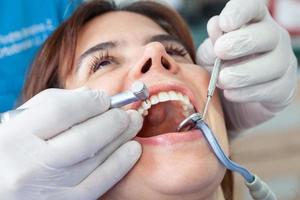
(187, 107)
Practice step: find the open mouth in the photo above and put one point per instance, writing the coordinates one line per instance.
(163, 112)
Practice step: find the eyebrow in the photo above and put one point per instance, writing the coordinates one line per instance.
(98, 47)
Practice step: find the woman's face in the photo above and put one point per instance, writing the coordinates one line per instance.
(118, 48)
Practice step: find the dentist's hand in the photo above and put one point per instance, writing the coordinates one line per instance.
(259, 74)
(66, 146)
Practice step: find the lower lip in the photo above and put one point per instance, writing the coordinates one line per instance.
(171, 138)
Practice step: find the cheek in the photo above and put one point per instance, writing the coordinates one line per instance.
(110, 82)
(198, 78)
(217, 123)
(187, 168)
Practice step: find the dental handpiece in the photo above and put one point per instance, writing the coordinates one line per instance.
(212, 84)
(137, 92)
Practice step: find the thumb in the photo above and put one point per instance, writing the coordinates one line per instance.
(47, 94)
(213, 28)
(205, 55)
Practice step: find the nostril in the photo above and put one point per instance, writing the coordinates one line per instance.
(147, 65)
(165, 63)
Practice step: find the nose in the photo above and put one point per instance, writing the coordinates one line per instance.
(155, 58)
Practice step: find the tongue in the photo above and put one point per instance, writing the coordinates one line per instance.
(157, 114)
(162, 118)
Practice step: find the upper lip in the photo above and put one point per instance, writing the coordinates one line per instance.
(155, 89)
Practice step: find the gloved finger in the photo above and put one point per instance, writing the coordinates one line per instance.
(278, 92)
(240, 12)
(86, 139)
(58, 110)
(83, 169)
(47, 94)
(246, 115)
(205, 55)
(254, 69)
(110, 172)
(19, 145)
(213, 29)
(253, 38)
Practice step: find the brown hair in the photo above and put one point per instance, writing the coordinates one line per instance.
(55, 59)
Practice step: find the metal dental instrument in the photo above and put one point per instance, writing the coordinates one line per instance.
(212, 84)
(257, 188)
(138, 92)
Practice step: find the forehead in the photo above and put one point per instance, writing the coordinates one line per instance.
(118, 26)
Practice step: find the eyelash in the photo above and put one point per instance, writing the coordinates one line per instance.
(173, 50)
(102, 58)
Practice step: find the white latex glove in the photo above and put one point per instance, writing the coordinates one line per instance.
(66, 146)
(258, 77)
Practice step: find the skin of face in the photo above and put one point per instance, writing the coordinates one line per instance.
(172, 170)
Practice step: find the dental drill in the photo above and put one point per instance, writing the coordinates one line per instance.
(258, 189)
(138, 92)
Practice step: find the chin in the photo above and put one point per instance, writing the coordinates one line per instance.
(177, 170)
